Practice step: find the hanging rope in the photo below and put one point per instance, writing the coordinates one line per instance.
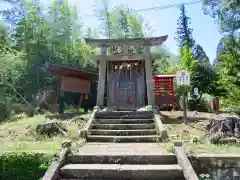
(119, 69)
(130, 83)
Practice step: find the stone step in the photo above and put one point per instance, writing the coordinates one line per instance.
(137, 132)
(108, 179)
(123, 121)
(121, 113)
(143, 116)
(115, 158)
(123, 126)
(108, 148)
(117, 171)
(149, 138)
(90, 179)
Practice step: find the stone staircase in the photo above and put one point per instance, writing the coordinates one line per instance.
(135, 156)
(123, 127)
(121, 161)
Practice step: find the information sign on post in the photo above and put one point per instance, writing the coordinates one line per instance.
(195, 91)
(183, 79)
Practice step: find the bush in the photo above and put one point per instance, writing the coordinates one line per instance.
(23, 166)
(201, 105)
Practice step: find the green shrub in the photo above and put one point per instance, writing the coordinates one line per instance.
(201, 105)
(204, 177)
(23, 166)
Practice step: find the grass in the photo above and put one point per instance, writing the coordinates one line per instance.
(18, 134)
(193, 134)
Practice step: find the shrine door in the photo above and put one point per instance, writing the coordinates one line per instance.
(126, 91)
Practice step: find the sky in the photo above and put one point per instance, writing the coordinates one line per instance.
(162, 21)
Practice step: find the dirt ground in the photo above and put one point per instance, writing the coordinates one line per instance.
(194, 131)
(173, 121)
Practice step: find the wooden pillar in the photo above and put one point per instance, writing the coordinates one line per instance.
(148, 69)
(61, 103)
(101, 77)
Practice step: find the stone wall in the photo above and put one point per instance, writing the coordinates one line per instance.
(218, 166)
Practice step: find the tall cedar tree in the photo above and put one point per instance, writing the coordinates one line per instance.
(184, 33)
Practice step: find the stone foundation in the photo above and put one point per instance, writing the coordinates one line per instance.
(218, 166)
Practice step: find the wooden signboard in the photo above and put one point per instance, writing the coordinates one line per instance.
(72, 84)
(163, 88)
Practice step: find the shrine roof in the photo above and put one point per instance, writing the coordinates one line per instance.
(168, 75)
(70, 71)
(153, 41)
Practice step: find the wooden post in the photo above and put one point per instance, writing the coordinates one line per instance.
(80, 100)
(61, 103)
(101, 77)
(148, 68)
(184, 106)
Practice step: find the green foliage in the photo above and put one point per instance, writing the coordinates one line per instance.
(50, 35)
(201, 105)
(121, 22)
(187, 61)
(53, 35)
(170, 148)
(200, 55)
(227, 61)
(194, 60)
(23, 166)
(184, 33)
(229, 71)
(226, 12)
(203, 77)
(204, 177)
(165, 61)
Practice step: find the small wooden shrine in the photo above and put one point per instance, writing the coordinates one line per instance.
(163, 88)
(72, 80)
(125, 69)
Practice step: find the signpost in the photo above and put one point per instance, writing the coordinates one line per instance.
(183, 79)
(195, 91)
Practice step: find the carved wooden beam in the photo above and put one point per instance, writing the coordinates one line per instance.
(125, 58)
(119, 58)
(153, 41)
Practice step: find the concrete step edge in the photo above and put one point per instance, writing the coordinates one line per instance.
(113, 158)
(122, 125)
(128, 130)
(122, 167)
(133, 119)
(122, 139)
(116, 171)
(132, 137)
(123, 121)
